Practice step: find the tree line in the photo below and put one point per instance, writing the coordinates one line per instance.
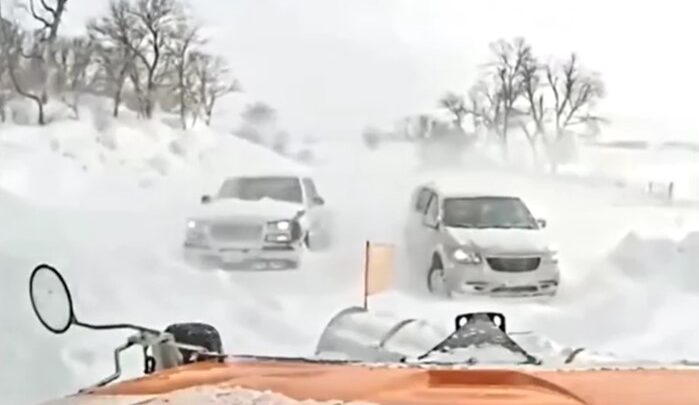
(516, 90)
(141, 54)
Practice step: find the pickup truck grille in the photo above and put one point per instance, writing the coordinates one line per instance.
(514, 264)
(233, 232)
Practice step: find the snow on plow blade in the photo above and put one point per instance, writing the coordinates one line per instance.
(356, 334)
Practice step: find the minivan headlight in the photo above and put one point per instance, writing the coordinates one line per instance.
(552, 256)
(194, 224)
(462, 255)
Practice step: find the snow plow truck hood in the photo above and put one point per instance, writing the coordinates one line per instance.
(358, 361)
(364, 358)
(217, 383)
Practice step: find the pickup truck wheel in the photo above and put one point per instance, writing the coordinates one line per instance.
(436, 283)
(307, 241)
(316, 242)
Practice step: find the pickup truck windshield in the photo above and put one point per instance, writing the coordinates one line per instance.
(487, 212)
(257, 188)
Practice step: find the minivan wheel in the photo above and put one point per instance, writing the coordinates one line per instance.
(436, 283)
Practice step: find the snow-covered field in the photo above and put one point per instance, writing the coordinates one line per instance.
(108, 208)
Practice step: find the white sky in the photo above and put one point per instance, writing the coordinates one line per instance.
(332, 66)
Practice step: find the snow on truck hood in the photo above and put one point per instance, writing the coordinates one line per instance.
(204, 394)
(233, 207)
(502, 240)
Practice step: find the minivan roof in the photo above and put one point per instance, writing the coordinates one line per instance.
(450, 187)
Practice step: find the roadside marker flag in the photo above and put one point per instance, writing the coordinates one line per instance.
(378, 268)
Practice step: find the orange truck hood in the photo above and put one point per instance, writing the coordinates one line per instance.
(397, 385)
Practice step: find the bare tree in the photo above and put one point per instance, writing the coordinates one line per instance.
(214, 81)
(74, 76)
(486, 107)
(249, 133)
(5, 84)
(116, 39)
(280, 143)
(575, 91)
(259, 114)
(181, 51)
(29, 55)
(425, 124)
(49, 16)
(456, 105)
(506, 72)
(371, 137)
(533, 89)
(156, 19)
(14, 41)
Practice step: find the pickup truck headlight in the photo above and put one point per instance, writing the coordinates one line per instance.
(196, 231)
(283, 225)
(196, 226)
(278, 237)
(290, 228)
(462, 255)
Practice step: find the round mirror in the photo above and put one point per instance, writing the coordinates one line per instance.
(51, 299)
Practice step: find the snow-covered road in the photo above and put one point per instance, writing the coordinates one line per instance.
(119, 250)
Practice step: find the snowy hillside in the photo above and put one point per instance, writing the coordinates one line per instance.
(108, 208)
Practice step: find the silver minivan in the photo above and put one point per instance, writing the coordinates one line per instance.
(473, 243)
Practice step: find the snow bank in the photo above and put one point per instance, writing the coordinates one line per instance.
(663, 262)
(636, 168)
(71, 162)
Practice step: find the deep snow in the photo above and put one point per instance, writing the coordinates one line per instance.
(109, 209)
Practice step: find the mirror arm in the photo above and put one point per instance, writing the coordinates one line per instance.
(117, 365)
(116, 326)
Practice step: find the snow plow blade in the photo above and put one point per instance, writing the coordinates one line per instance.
(356, 334)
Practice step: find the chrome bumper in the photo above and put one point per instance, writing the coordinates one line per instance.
(265, 257)
(481, 279)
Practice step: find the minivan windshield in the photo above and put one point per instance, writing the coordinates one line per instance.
(257, 188)
(487, 212)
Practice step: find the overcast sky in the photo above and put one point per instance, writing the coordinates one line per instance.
(332, 66)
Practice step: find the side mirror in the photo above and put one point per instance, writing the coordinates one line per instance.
(53, 304)
(318, 200)
(542, 222)
(434, 224)
(51, 299)
(205, 199)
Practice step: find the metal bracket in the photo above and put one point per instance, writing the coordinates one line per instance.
(117, 368)
(150, 339)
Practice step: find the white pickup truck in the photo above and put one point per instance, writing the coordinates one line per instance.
(258, 222)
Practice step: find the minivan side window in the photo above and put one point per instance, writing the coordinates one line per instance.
(422, 200)
(432, 208)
